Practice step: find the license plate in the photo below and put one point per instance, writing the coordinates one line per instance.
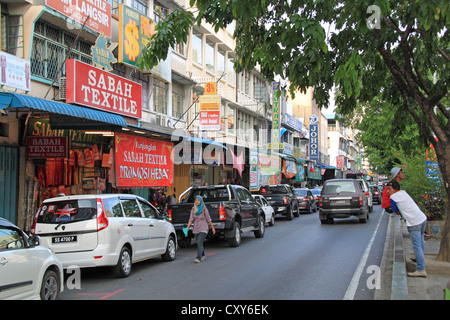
(339, 202)
(64, 239)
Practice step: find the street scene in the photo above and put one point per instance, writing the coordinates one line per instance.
(242, 153)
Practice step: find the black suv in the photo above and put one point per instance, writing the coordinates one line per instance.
(343, 198)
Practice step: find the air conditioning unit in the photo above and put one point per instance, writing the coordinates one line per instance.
(62, 88)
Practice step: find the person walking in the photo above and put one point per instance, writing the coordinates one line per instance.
(200, 218)
(416, 222)
(398, 175)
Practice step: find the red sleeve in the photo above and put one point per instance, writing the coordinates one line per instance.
(386, 200)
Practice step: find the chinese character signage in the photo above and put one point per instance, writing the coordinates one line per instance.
(135, 32)
(15, 72)
(314, 141)
(210, 112)
(98, 11)
(93, 87)
(275, 117)
(143, 162)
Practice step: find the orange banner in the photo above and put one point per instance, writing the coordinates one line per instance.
(143, 162)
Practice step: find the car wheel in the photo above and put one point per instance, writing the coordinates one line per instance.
(171, 250)
(290, 214)
(364, 218)
(123, 267)
(261, 227)
(272, 220)
(235, 241)
(50, 286)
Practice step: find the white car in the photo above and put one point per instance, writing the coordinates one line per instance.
(27, 270)
(104, 230)
(266, 207)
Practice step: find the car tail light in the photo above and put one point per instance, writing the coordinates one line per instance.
(361, 202)
(376, 192)
(169, 214)
(305, 198)
(285, 199)
(320, 201)
(367, 194)
(33, 226)
(102, 219)
(222, 214)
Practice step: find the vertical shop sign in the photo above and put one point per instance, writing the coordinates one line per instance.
(210, 112)
(95, 88)
(135, 33)
(143, 162)
(254, 170)
(340, 162)
(314, 141)
(98, 11)
(276, 118)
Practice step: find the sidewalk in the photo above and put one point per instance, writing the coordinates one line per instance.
(396, 262)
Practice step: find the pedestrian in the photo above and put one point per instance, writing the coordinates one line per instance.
(200, 218)
(398, 175)
(416, 222)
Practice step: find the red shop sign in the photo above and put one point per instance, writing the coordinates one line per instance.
(98, 11)
(93, 87)
(143, 162)
(47, 147)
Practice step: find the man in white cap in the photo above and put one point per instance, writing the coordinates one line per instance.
(397, 174)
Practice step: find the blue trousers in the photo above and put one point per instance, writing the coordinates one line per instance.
(417, 238)
(200, 237)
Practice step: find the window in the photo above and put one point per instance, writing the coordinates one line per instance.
(231, 75)
(131, 208)
(140, 6)
(160, 96)
(149, 211)
(210, 57)
(197, 48)
(50, 47)
(70, 211)
(112, 207)
(177, 105)
(10, 239)
(159, 13)
(220, 62)
(12, 34)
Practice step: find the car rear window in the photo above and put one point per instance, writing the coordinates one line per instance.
(300, 192)
(210, 195)
(339, 187)
(69, 210)
(273, 189)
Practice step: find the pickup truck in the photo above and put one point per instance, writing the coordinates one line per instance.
(282, 198)
(232, 208)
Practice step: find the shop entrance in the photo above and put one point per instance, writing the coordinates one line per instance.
(9, 173)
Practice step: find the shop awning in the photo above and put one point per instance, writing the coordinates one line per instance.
(325, 166)
(15, 100)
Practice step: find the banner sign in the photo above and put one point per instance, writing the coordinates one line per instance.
(314, 141)
(340, 162)
(15, 72)
(135, 32)
(210, 112)
(98, 11)
(275, 117)
(95, 88)
(47, 147)
(143, 162)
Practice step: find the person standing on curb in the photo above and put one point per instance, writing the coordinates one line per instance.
(200, 218)
(398, 175)
(416, 222)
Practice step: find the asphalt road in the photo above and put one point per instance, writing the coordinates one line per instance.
(296, 260)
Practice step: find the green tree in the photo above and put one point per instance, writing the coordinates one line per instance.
(396, 49)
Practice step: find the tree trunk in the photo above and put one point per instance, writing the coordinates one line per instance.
(444, 164)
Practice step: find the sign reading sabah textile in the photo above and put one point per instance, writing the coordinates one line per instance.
(93, 87)
(143, 162)
(47, 147)
(98, 11)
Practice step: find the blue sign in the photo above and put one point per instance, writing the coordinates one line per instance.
(314, 141)
(293, 122)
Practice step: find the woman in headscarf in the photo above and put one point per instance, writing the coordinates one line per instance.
(200, 218)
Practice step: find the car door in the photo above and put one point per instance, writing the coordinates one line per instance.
(157, 231)
(19, 270)
(137, 226)
(249, 207)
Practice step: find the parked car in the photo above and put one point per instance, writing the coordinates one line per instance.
(281, 197)
(232, 208)
(343, 198)
(306, 200)
(365, 188)
(267, 208)
(104, 230)
(316, 194)
(27, 270)
(376, 194)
